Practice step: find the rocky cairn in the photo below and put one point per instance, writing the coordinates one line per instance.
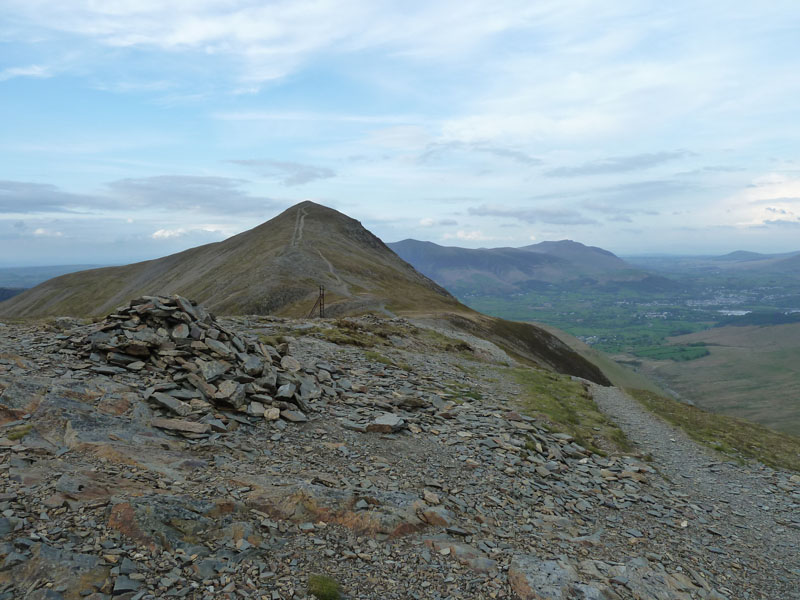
(198, 367)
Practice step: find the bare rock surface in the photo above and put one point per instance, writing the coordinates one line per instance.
(163, 453)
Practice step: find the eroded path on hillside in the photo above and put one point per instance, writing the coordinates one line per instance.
(741, 507)
(300, 221)
(332, 271)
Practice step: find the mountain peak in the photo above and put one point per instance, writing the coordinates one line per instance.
(276, 267)
(567, 248)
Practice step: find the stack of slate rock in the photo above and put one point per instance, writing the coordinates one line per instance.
(199, 366)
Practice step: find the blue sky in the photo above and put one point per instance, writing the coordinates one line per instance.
(136, 128)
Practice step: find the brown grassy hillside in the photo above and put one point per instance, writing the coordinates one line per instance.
(750, 372)
(273, 268)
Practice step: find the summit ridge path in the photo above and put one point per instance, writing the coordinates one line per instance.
(759, 514)
(300, 221)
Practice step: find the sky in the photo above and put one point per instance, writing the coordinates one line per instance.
(137, 128)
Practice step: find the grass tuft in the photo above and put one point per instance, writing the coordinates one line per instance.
(18, 432)
(564, 406)
(323, 587)
(378, 357)
(675, 353)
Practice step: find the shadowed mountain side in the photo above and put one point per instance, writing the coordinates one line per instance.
(529, 343)
(273, 268)
(459, 267)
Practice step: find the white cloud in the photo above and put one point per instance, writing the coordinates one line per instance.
(471, 236)
(166, 234)
(772, 198)
(289, 173)
(29, 71)
(327, 117)
(217, 230)
(269, 40)
(42, 232)
(428, 222)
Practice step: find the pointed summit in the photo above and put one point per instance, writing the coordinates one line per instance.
(274, 268)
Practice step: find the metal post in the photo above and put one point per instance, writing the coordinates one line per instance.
(320, 302)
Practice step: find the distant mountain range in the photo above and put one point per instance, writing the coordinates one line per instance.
(27, 277)
(779, 264)
(564, 264)
(785, 264)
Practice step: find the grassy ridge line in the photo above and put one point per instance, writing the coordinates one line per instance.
(529, 344)
(563, 405)
(732, 436)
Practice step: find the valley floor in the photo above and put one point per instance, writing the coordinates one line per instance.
(406, 469)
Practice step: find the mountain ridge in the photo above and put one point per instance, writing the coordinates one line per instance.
(277, 266)
(563, 263)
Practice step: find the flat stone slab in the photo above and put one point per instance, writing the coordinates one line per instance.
(386, 423)
(181, 425)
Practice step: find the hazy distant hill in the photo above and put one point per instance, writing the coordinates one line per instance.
(741, 255)
(508, 270)
(458, 269)
(589, 259)
(6, 293)
(788, 265)
(769, 264)
(27, 277)
(741, 262)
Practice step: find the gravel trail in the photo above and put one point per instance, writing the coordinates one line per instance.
(760, 515)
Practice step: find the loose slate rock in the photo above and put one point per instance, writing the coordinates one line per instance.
(198, 358)
(181, 425)
(386, 423)
(295, 416)
(173, 404)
